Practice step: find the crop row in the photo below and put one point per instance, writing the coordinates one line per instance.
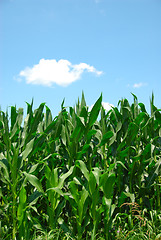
(81, 175)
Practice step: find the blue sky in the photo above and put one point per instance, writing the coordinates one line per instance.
(55, 49)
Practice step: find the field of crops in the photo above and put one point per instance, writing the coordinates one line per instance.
(85, 174)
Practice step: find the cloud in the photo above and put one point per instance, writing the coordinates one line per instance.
(48, 72)
(138, 85)
(107, 106)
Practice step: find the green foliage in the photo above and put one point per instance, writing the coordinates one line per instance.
(81, 175)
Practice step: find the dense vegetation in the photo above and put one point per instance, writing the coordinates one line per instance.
(86, 174)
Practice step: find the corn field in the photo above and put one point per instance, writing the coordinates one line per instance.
(85, 174)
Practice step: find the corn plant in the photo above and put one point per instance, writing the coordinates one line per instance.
(80, 174)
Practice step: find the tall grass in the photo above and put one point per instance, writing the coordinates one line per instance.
(77, 176)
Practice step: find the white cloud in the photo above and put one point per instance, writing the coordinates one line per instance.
(138, 85)
(107, 106)
(62, 72)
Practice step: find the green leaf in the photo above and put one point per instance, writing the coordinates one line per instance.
(84, 150)
(4, 166)
(33, 198)
(95, 198)
(119, 126)
(57, 190)
(34, 121)
(94, 112)
(97, 173)
(53, 178)
(91, 133)
(48, 117)
(135, 97)
(28, 149)
(64, 176)
(33, 168)
(82, 207)
(74, 191)
(142, 106)
(21, 205)
(13, 116)
(63, 135)
(108, 184)
(112, 139)
(18, 122)
(83, 168)
(155, 172)
(119, 162)
(106, 137)
(92, 183)
(83, 101)
(130, 195)
(132, 132)
(141, 117)
(34, 181)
